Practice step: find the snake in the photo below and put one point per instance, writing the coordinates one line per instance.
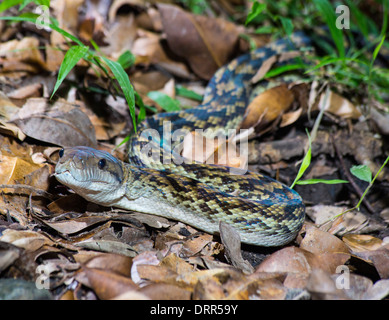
(264, 211)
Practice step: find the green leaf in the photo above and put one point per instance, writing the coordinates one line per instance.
(166, 103)
(184, 92)
(362, 172)
(287, 24)
(125, 84)
(288, 67)
(6, 4)
(265, 29)
(377, 49)
(328, 13)
(72, 56)
(126, 59)
(50, 25)
(306, 162)
(314, 181)
(256, 10)
(142, 108)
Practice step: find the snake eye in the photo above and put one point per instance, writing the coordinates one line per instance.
(61, 153)
(102, 163)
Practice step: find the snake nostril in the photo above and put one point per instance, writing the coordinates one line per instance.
(61, 152)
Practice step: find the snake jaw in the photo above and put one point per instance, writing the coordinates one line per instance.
(95, 175)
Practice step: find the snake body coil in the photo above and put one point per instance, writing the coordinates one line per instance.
(264, 211)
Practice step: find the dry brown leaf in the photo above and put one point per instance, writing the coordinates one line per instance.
(265, 67)
(148, 49)
(318, 242)
(29, 240)
(322, 287)
(267, 107)
(206, 43)
(231, 241)
(290, 117)
(76, 224)
(197, 147)
(25, 50)
(120, 36)
(7, 111)
(289, 259)
(176, 264)
(13, 169)
(361, 242)
(157, 273)
(195, 245)
(111, 262)
(339, 106)
(62, 124)
(379, 258)
(163, 291)
(105, 284)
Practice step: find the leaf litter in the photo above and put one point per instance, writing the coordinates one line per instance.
(90, 252)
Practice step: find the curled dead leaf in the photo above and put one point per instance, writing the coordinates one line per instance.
(267, 107)
(206, 43)
(62, 124)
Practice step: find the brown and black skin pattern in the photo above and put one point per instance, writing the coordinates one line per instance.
(264, 211)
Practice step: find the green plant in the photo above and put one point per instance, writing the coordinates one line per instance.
(80, 51)
(347, 65)
(304, 166)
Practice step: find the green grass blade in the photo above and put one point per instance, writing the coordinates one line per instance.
(305, 164)
(256, 10)
(279, 70)
(328, 12)
(6, 4)
(33, 19)
(314, 181)
(287, 25)
(125, 84)
(126, 59)
(184, 92)
(72, 56)
(165, 102)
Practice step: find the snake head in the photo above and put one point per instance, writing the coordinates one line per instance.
(95, 175)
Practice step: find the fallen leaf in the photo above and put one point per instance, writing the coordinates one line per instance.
(25, 50)
(361, 242)
(206, 43)
(163, 291)
(105, 284)
(7, 111)
(378, 291)
(75, 225)
(29, 240)
(62, 124)
(322, 287)
(379, 258)
(198, 147)
(267, 107)
(231, 241)
(111, 262)
(318, 242)
(15, 168)
(339, 106)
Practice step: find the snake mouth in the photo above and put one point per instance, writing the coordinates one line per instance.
(66, 173)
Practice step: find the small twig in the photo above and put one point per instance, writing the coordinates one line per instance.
(350, 178)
